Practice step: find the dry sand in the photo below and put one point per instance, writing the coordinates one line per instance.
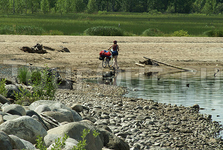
(188, 52)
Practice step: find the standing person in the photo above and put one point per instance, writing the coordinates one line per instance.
(115, 49)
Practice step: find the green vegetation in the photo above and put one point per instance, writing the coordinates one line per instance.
(152, 32)
(124, 23)
(3, 90)
(44, 85)
(104, 31)
(60, 143)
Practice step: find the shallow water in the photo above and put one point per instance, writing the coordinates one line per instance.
(185, 89)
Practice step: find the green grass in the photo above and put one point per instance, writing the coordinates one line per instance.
(134, 23)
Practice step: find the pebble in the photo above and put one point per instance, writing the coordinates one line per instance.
(145, 124)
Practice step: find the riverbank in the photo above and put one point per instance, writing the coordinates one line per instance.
(142, 123)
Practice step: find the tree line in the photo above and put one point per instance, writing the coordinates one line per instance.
(92, 6)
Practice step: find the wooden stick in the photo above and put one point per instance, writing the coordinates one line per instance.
(168, 64)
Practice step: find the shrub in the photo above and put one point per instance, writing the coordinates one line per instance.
(152, 32)
(56, 32)
(104, 31)
(21, 30)
(214, 33)
(29, 30)
(102, 12)
(24, 75)
(6, 29)
(43, 82)
(180, 33)
(3, 90)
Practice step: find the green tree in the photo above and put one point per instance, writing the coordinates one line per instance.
(4, 6)
(92, 6)
(209, 7)
(60, 6)
(69, 6)
(45, 6)
(33, 5)
(219, 8)
(198, 5)
(79, 6)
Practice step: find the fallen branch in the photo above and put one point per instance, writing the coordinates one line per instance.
(168, 64)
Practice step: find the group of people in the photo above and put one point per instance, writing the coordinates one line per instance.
(114, 48)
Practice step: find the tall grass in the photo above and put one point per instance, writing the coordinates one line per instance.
(134, 23)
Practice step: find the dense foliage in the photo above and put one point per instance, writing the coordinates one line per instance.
(91, 6)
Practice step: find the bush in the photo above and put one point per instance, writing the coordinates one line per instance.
(24, 75)
(43, 82)
(104, 31)
(56, 32)
(180, 33)
(152, 32)
(21, 30)
(3, 90)
(29, 30)
(6, 30)
(214, 33)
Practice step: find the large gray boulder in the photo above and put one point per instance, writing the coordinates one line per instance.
(4, 100)
(5, 141)
(42, 108)
(18, 143)
(14, 109)
(75, 130)
(24, 127)
(111, 141)
(51, 138)
(11, 90)
(57, 106)
(60, 117)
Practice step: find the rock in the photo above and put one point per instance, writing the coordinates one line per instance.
(5, 143)
(24, 127)
(57, 106)
(35, 115)
(11, 90)
(77, 107)
(112, 141)
(18, 143)
(1, 119)
(60, 117)
(42, 108)
(4, 100)
(75, 130)
(69, 143)
(14, 109)
(65, 84)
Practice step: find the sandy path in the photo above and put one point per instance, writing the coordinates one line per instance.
(189, 52)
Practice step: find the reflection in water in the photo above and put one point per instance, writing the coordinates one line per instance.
(186, 91)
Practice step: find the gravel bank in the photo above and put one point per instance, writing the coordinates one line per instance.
(144, 124)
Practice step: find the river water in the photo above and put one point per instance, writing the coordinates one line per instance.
(183, 88)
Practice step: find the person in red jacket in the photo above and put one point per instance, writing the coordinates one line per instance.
(115, 49)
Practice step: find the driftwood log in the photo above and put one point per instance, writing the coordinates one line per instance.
(168, 65)
(38, 48)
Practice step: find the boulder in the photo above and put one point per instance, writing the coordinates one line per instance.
(11, 90)
(3, 99)
(111, 141)
(57, 106)
(18, 143)
(60, 117)
(75, 130)
(42, 108)
(24, 127)
(35, 115)
(14, 109)
(5, 143)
